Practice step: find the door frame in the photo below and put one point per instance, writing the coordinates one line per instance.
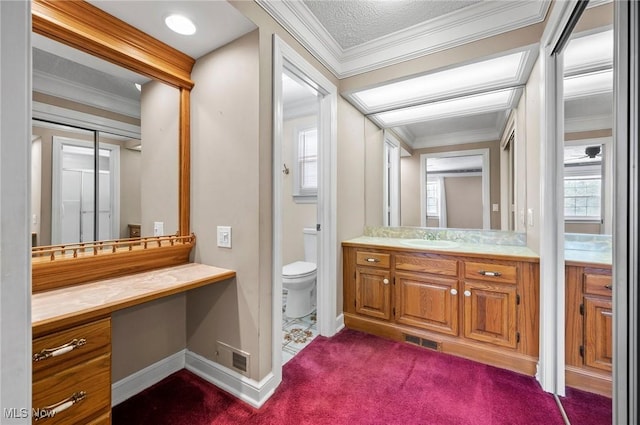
(328, 320)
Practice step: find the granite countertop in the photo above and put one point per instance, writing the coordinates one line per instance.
(453, 247)
(604, 258)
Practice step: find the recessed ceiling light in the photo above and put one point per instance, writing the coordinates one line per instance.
(180, 24)
(468, 105)
(492, 73)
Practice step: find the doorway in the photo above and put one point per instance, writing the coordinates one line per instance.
(77, 194)
(307, 179)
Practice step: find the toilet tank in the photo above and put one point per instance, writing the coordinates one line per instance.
(310, 245)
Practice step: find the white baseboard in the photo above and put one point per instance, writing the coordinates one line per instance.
(339, 322)
(142, 379)
(248, 390)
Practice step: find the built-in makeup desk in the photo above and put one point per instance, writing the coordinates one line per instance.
(72, 338)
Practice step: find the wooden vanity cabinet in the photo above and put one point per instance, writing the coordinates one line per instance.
(589, 338)
(467, 306)
(72, 375)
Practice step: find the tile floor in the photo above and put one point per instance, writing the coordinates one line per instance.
(296, 333)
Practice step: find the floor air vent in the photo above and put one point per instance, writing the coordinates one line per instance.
(423, 342)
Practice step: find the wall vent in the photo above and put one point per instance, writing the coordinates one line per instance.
(233, 358)
(423, 342)
(239, 361)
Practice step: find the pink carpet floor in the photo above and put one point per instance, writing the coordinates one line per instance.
(355, 378)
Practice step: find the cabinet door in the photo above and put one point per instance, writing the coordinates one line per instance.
(490, 313)
(373, 293)
(427, 302)
(598, 328)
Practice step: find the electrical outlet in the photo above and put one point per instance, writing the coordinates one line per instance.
(496, 207)
(158, 228)
(224, 236)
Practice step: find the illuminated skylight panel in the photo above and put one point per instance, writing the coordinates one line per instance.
(588, 84)
(589, 51)
(455, 81)
(468, 105)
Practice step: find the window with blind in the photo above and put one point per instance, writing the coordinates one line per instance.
(306, 165)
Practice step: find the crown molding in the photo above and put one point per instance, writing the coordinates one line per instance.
(80, 93)
(64, 116)
(588, 123)
(475, 22)
(458, 138)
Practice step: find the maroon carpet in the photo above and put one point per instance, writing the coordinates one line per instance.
(355, 378)
(586, 408)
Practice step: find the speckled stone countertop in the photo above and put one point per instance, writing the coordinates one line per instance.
(445, 246)
(99, 298)
(586, 248)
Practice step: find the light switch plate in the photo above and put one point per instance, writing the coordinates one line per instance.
(158, 228)
(224, 236)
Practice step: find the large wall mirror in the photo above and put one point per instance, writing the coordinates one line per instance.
(457, 133)
(588, 122)
(82, 106)
(123, 153)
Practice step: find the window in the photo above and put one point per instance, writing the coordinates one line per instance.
(583, 182)
(306, 166)
(582, 198)
(433, 198)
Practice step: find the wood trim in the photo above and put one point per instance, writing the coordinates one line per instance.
(588, 380)
(184, 163)
(72, 271)
(443, 252)
(484, 353)
(85, 27)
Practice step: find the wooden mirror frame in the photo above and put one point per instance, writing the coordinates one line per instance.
(85, 27)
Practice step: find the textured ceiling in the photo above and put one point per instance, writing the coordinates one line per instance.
(352, 23)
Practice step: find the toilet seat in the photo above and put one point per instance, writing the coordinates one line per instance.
(298, 269)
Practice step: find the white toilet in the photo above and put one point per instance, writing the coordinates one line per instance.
(299, 279)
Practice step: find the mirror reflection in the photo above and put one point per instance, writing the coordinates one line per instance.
(588, 120)
(83, 106)
(454, 115)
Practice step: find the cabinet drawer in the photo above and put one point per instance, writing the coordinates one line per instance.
(437, 266)
(90, 382)
(70, 344)
(598, 284)
(492, 272)
(374, 259)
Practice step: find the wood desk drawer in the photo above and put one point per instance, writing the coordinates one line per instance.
(598, 284)
(374, 259)
(70, 344)
(439, 266)
(492, 272)
(91, 380)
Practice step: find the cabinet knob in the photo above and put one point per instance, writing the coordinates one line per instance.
(385, 281)
(467, 293)
(454, 291)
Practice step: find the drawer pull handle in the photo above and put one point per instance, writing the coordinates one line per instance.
(487, 273)
(385, 281)
(58, 351)
(54, 409)
(454, 291)
(467, 293)
(609, 287)
(373, 260)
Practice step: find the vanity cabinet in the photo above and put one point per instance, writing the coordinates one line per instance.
(480, 308)
(589, 338)
(72, 375)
